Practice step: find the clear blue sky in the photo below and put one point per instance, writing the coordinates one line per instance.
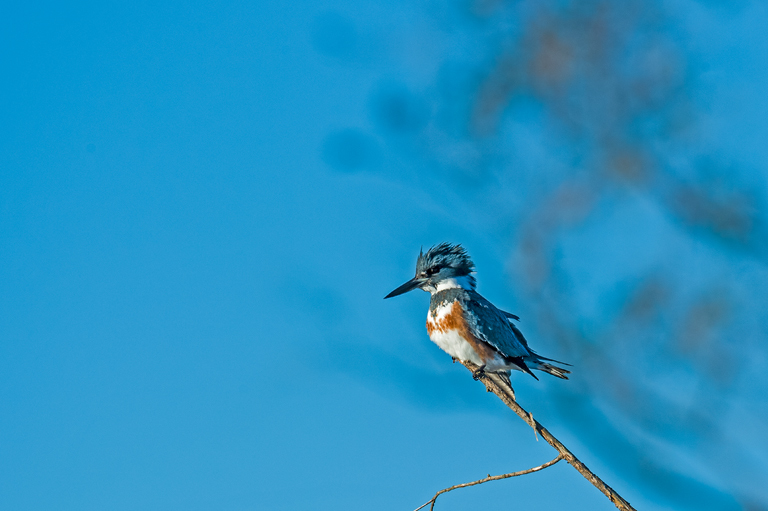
(191, 311)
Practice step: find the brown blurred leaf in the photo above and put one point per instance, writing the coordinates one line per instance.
(728, 214)
(646, 299)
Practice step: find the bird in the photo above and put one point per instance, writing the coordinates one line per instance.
(467, 326)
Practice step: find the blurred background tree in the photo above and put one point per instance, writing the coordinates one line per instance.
(581, 132)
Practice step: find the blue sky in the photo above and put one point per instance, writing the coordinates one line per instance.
(191, 314)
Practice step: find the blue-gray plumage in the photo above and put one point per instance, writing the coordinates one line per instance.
(466, 325)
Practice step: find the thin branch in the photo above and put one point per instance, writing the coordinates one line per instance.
(494, 383)
(489, 478)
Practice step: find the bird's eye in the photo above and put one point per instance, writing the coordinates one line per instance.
(432, 271)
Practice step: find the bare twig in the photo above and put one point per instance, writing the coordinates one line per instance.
(497, 385)
(489, 478)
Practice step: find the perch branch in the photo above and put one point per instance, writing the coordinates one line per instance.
(486, 479)
(493, 383)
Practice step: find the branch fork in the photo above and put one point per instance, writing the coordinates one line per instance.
(496, 384)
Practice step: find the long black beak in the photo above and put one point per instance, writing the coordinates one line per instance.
(408, 286)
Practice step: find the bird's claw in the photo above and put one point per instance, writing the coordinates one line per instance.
(477, 373)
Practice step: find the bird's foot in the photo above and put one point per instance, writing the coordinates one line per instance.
(453, 359)
(477, 373)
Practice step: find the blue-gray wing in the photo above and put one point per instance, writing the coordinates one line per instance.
(491, 325)
(509, 315)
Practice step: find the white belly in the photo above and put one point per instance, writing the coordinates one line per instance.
(443, 332)
(445, 329)
(452, 343)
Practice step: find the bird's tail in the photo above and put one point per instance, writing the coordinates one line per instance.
(504, 376)
(552, 369)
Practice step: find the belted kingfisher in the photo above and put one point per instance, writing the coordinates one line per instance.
(467, 326)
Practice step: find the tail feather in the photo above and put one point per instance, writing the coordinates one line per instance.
(551, 369)
(551, 360)
(520, 362)
(504, 376)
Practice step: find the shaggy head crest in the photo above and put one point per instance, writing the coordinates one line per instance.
(447, 260)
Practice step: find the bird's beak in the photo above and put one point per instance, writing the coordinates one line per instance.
(408, 286)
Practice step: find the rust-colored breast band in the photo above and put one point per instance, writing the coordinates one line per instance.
(454, 320)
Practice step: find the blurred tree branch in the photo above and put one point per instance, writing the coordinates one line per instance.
(489, 478)
(584, 133)
(493, 383)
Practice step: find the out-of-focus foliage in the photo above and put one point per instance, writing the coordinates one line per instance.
(640, 249)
